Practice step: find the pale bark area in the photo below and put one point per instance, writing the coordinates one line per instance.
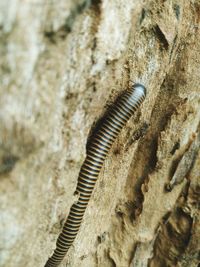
(61, 64)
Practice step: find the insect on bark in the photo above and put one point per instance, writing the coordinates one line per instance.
(98, 148)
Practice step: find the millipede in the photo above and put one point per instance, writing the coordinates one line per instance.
(97, 150)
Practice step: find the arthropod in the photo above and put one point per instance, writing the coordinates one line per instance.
(97, 151)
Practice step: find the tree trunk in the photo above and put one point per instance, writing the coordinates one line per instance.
(62, 64)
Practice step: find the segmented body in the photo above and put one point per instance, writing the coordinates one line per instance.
(97, 151)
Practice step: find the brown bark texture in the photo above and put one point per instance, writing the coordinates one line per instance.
(62, 63)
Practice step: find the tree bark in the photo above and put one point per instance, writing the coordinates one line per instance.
(62, 64)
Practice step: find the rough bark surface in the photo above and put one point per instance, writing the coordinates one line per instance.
(61, 64)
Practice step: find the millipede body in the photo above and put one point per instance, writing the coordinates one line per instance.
(97, 151)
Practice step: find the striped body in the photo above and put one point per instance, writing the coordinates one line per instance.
(97, 151)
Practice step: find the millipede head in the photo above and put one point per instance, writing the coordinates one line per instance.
(140, 89)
